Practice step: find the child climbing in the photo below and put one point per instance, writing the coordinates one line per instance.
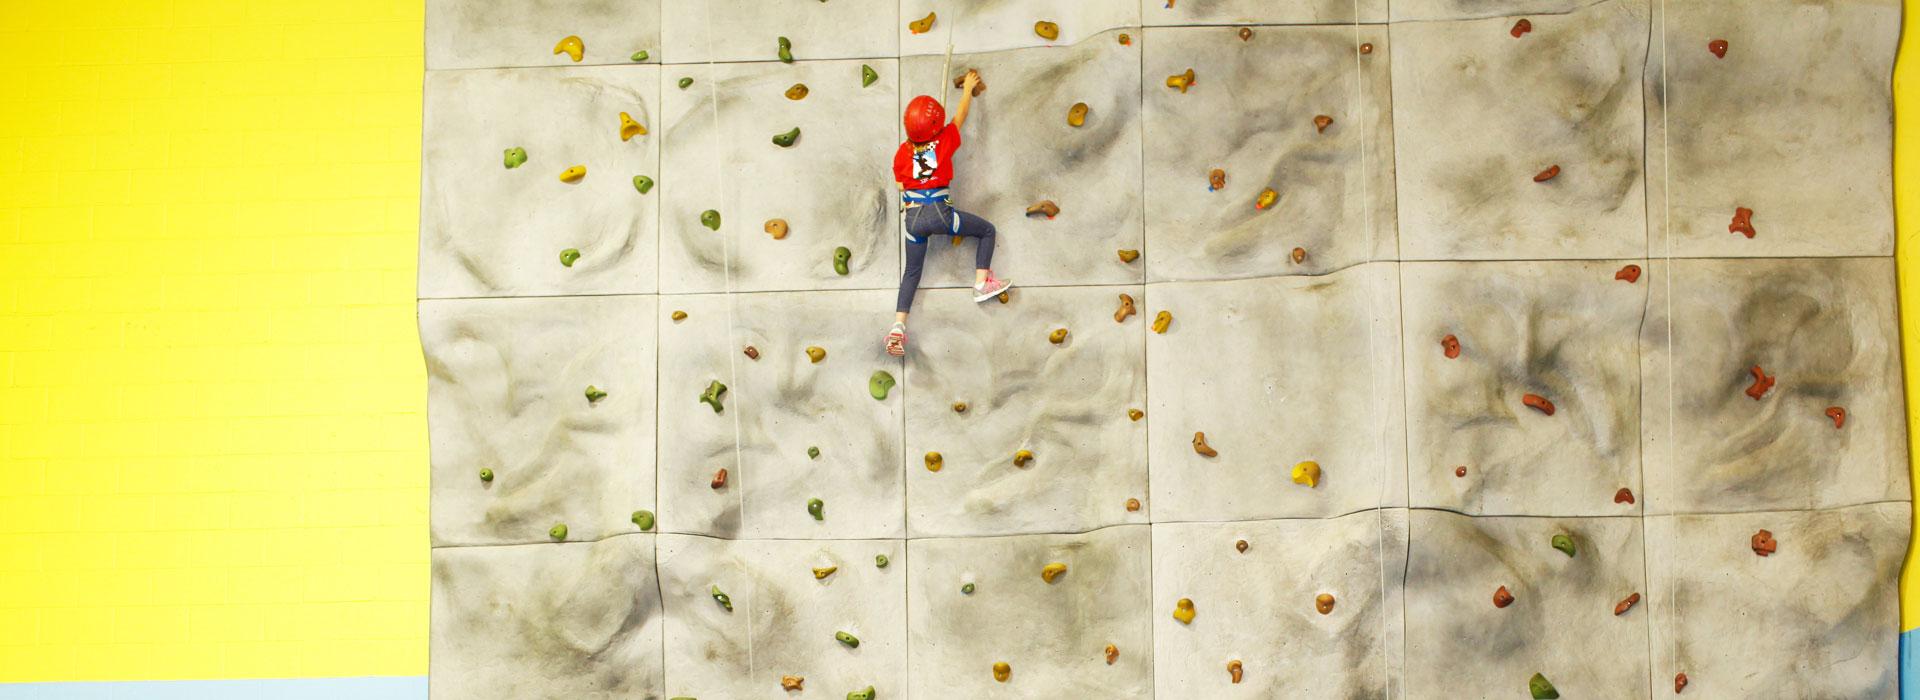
(924, 168)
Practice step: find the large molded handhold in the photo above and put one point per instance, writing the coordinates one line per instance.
(1002, 671)
(1307, 473)
(1133, 505)
(630, 128)
(1216, 180)
(710, 219)
(847, 638)
(978, 87)
(574, 174)
(685, 83)
(922, 25)
(1719, 49)
(1126, 309)
(1135, 414)
(841, 256)
(719, 479)
(1183, 611)
(820, 573)
(1077, 114)
(1182, 81)
(1629, 274)
(792, 683)
(1539, 687)
(1052, 571)
(1521, 27)
(1046, 30)
(1839, 416)
(638, 56)
(786, 50)
(1113, 654)
(572, 46)
(515, 157)
(785, 140)
(711, 396)
(1058, 336)
(1022, 457)
(817, 508)
(1625, 604)
(1679, 682)
(879, 384)
(1200, 445)
(1450, 346)
(1321, 122)
(678, 315)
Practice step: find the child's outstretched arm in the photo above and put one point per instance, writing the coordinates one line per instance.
(967, 82)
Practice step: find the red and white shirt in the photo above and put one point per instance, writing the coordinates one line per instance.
(925, 166)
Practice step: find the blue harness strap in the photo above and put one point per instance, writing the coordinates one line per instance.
(924, 198)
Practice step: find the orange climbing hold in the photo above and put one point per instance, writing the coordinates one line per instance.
(1550, 173)
(1679, 682)
(1718, 47)
(1626, 604)
(720, 479)
(1839, 416)
(1321, 122)
(1245, 33)
(1764, 544)
(1521, 27)
(1133, 505)
(1366, 48)
(1113, 654)
(1044, 207)
(1450, 346)
(1761, 383)
(1323, 603)
(1538, 403)
(1299, 255)
(1200, 445)
(1460, 472)
(1502, 598)
(1240, 546)
(1234, 670)
(1742, 222)
(1629, 274)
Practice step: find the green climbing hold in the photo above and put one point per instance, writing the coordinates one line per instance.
(816, 508)
(879, 384)
(867, 76)
(558, 532)
(568, 256)
(1541, 688)
(644, 519)
(880, 561)
(966, 588)
(786, 140)
(638, 56)
(861, 694)
(840, 257)
(711, 396)
(594, 394)
(516, 157)
(813, 453)
(786, 50)
(710, 219)
(722, 599)
(486, 475)
(1564, 544)
(851, 641)
(642, 183)
(686, 83)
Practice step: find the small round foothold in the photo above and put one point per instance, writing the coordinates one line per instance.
(1240, 546)
(1001, 671)
(1366, 48)
(1460, 472)
(1299, 255)
(959, 407)
(1216, 180)
(1125, 40)
(1502, 598)
(966, 588)
(1133, 505)
(934, 461)
(1245, 33)
(1323, 603)
(880, 561)
(486, 475)
(1135, 414)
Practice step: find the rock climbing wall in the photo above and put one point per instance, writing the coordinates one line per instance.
(1430, 348)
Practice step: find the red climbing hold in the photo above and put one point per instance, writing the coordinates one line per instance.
(1629, 274)
(1624, 495)
(1764, 544)
(1625, 604)
(1538, 403)
(1521, 27)
(1550, 173)
(1718, 47)
(1451, 346)
(1761, 383)
(1460, 472)
(1839, 416)
(1679, 682)
(1742, 222)
(1501, 598)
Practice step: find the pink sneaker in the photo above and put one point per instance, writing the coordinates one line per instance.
(897, 341)
(991, 288)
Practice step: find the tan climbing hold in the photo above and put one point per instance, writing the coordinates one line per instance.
(752, 352)
(1021, 458)
(1127, 256)
(1005, 296)
(1307, 473)
(1113, 654)
(630, 128)
(1366, 48)
(1266, 199)
(1625, 604)
(679, 315)
(1046, 30)
(797, 92)
(1181, 82)
(1077, 114)
(1321, 122)
(959, 407)
(1183, 611)
(1323, 603)
(776, 228)
(1052, 571)
(1001, 671)
(1133, 505)
(1135, 414)
(1058, 336)
(1234, 670)
(979, 86)
(1299, 255)
(922, 25)
(1161, 321)
(1550, 173)
(1200, 445)
(572, 46)
(1764, 544)
(1044, 207)
(1240, 546)
(1216, 180)
(816, 353)
(934, 461)
(1502, 598)
(1126, 308)
(1246, 33)
(574, 174)
(792, 683)
(720, 479)
(824, 571)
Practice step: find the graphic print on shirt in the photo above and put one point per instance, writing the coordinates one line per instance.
(926, 159)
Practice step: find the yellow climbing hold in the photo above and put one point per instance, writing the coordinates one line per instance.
(1021, 458)
(1077, 114)
(1058, 336)
(573, 174)
(1183, 611)
(679, 315)
(1181, 82)
(797, 92)
(1047, 30)
(630, 128)
(1307, 473)
(816, 353)
(572, 46)
(934, 461)
(1127, 256)
(1135, 414)
(824, 571)
(1161, 321)
(922, 25)
(1267, 198)
(1052, 571)
(1001, 671)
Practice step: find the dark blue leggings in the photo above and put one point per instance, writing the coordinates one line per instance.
(928, 222)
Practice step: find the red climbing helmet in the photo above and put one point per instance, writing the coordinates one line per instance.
(925, 118)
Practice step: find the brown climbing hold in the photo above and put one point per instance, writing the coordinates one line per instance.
(1044, 207)
(1366, 48)
(1521, 27)
(1005, 296)
(1266, 199)
(1234, 670)
(1742, 222)
(1046, 30)
(1718, 47)
(1135, 414)
(792, 683)
(720, 479)
(1538, 403)
(1181, 82)
(1679, 682)
(1161, 321)
(1299, 255)
(1460, 472)
(1127, 256)
(1125, 40)
(752, 352)
(1450, 346)
(1077, 114)
(959, 407)
(776, 228)
(1021, 458)
(1761, 383)
(1216, 180)
(1001, 671)
(1502, 598)
(1626, 604)
(1200, 445)
(1624, 495)
(934, 461)
(1629, 274)
(797, 92)
(1058, 336)
(1550, 173)
(1245, 33)
(1240, 546)
(1133, 505)
(679, 315)
(978, 87)
(1113, 654)
(1126, 309)
(1764, 544)
(922, 25)
(1321, 122)
(1839, 416)
(1323, 603)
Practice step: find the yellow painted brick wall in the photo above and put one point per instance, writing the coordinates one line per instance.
(212, 402)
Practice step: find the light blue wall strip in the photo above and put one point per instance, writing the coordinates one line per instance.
(1909, 691)
(374, 688)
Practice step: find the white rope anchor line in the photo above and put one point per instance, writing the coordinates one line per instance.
(739, 481)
